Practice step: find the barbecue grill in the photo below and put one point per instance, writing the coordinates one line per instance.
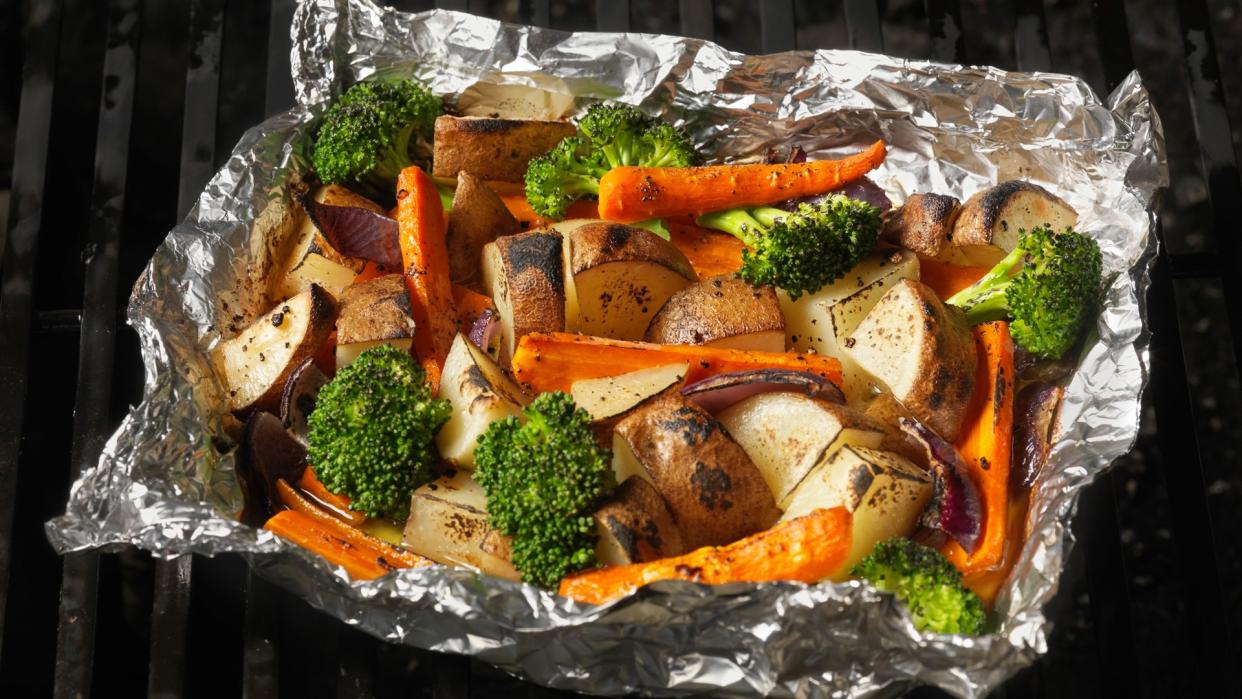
(113, 115)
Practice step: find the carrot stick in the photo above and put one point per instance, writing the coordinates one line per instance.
(312, 535)
(711, 253)
(554, 361)
(638, 193)
(394, 556)
(420, 220)
(336, 504)
(807, 549)
(987, 583)
(520, 208)
(470, 305)
(370, 270)
(947, 279)
(985, 444)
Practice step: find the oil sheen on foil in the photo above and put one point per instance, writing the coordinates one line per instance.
(165, 481)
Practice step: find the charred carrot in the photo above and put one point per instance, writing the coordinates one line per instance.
(946, 279)
(336, 504)
(710, 253)
(312, 535)
(470, 305)
(554, 361)
(421, 225)
(521, 210)
(987, 583)
(394, 556)
(986, 443)
(807, 549)
(629, 194)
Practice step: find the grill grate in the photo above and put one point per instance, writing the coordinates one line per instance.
(1150, 599)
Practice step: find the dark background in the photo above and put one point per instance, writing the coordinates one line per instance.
(1129, 616)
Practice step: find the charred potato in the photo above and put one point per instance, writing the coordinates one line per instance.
(478, 218)
(448, 524)
(523, 274)
(374, 312)
(922, 352)
(493, 149)
(713, 489)
(255, 365)
(635, 526)
(611, 398)
(621, 276)
(786, 434)
(724, 311)
(480, 393)
(924, 224)
(990, 221)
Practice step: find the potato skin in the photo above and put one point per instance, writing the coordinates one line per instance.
(715, 309)
(493, 149)
(478, 218)
(377, 309)
(531, 265)
(924, 224)
(986, 209)
(602, 242)
(713, 489)
(639, 520)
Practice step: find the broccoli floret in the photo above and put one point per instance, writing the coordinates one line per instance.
(608, 136)
(1046, 287)
(927, 583)
(803, 250)
(543, 479)
(372, 433)
(369, 134)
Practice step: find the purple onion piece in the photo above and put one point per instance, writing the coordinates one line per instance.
(267, 453)
(715, 393)
(357, 232)
(776, 156)
(955, 507)
(483, 330)
(862, 189)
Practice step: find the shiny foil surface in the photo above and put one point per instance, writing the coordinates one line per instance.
(165, 482)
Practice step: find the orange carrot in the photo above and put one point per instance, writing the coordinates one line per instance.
(807, 549)
(638, 193)
(470, 305)
(947, 279)
(985, 444)
(987, 583)
(325, 356)
(554, 361)
(710, 252)
(362, 562)
(420, 218)
(520, 208)
(294, 500)
(336, 504)
(370, 270)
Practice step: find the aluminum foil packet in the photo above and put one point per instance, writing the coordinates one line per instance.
(166, 483)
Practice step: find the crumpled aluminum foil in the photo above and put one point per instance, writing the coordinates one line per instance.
(165, 481)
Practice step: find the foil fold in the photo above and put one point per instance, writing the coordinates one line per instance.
(165, 481)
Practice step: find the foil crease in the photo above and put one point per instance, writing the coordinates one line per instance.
(165, 481)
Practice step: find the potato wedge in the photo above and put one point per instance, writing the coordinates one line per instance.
(884, 492)
(821, 321)
(254, 366)
(480, 393)
(478, 218)
(621, 276)
(493, 149)
(922, 352)
(635, 526)
(374, 312)
(611, 398)
(311, 259)
(448, 524)
(924, 224)
(990, 221)
(713, 489)
(786, 434)
(524, 275)
(723, 311)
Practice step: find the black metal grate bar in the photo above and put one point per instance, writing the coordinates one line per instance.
(862, 19)
(612, 15)
(1030, 36)
(17, 258)
(944, 21)
(261, 645)
(697, 19)
(776, 26)
(75, 643)
(279, 44)
(202, 92)
(170, 612)
(540, 14)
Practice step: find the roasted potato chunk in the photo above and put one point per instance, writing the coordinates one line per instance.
(493, 149)
(525, 277)
(723, 311)
(478, 218)
(924, 224)
(374, 312)
(635, 526)
(988, 226)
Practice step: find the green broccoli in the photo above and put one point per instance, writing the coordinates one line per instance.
(927, 583)
(372, 433)
(1046, 287)
(369, 134)
(803, 250)
(543, 479)
(608, 137)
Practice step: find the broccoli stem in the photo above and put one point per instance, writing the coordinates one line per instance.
(738, 223)
(991, 285)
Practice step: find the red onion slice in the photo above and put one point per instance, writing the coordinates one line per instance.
(715, 393)
(955, 507)
(483, 330)
(357, 232)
